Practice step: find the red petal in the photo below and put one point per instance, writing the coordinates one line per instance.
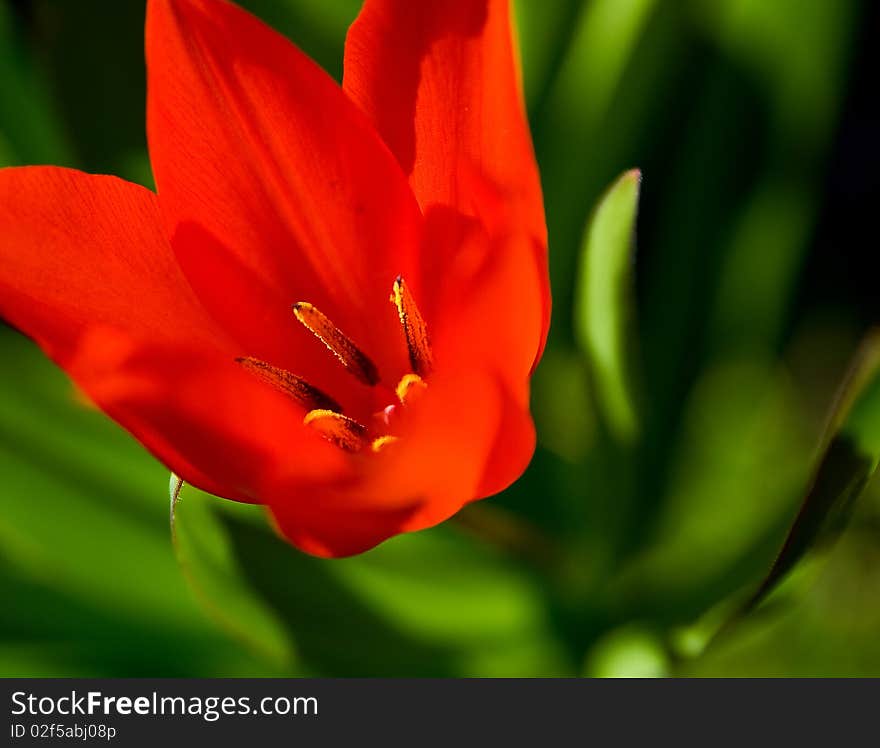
(85, 269)
(80, 250)
(492, 302)
(276, 189)
(440, 80)
(452, 452)
(205, 417)
(513, 448)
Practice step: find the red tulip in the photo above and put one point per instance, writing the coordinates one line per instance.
(333, 304)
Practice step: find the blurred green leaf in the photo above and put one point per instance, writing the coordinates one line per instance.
(850, 457)
(742, 456)
(583, 136)
(207, 559)
(782, 55)
(604, 315)
(604, 37)
(30, 131)
(761, 265)
(394, 611)
(84, 531)
(562, 406)
(821, 622)
(544, 31)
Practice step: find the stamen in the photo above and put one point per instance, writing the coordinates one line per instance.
(410, 387)
(307, 395)
(344, 432)
(340, 345)
(414, 329)
(383, 442)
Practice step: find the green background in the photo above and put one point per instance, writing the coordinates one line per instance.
(617, 549)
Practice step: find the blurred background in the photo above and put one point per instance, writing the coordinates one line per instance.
(755, 125)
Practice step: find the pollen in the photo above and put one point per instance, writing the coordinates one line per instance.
(337, 342)
(414, 328)
(409, 388)
(383, 442)
(344, 432)
(307, 395)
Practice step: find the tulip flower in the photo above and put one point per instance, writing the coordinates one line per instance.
(334, 300)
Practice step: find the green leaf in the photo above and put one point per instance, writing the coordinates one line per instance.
(740, 461)
(85, 553)
(394, 611)
(849, 460)
(604, 37)
(208, 560)
(30, 130)
(604, 318)
(601, 81)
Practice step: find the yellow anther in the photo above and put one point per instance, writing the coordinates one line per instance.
(409, 388)
(383, 442)
(343, 431)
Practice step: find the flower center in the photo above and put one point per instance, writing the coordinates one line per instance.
(324, 414)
